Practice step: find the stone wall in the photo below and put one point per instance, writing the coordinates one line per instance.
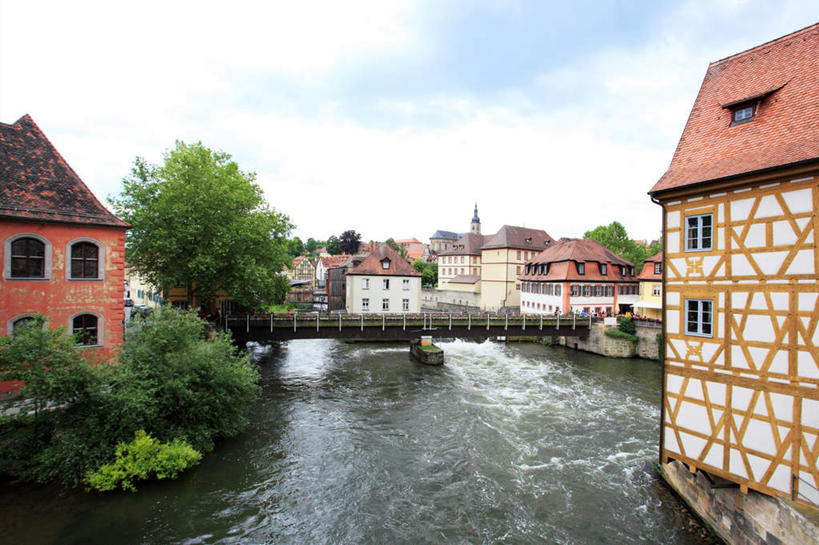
(599, 343)
(737, 518)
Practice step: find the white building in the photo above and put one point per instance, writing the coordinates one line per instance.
(383, 283)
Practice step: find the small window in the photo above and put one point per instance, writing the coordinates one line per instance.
(603, 269)
(385, 304)
(742, 114)
(581, 268)
(21, 323)
(405, 284)
(365, 283)
(365, 304)
(385, 264)
(85, 260)
(385, 284)
(405, 305)
(658, 268)
(84, 327)
(27, 258)
(698, 232)
(631, 271)
(558, 289)
(698, 317)
(656, 291)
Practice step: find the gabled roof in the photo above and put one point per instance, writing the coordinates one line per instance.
(415, 251)
(469, 244)
(465, 279)
(371, 265)
(779, 79)
(334, 260)
(301, 259)
(579, 250)
(37, 184)
(648, 268)
(521, 238)
(445, 234)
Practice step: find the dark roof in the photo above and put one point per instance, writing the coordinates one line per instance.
(522, 238)
(469, 244)
(563, 256)
(464, 279)
(779, 79)
(445, 234)
(37, 184)
(371, 265)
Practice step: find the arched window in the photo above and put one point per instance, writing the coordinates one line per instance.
(85, 260)
(85, 326)
(27, 258)
(26, 320)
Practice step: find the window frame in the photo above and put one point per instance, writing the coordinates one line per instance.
(658, 268)
(699, 322)
(385, 284)
(100, 260)
(405, 305)
(385, 304)
(405, 284)
(47, 258)
(699, 237)
(100, 340)
(742, 108)
(365, 283)
(603, 269)
(581, 269)
(365, 304)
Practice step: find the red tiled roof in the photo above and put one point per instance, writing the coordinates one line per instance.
(782, 78)
(648, 268)
(415, 251)
(371, 265)
(564, 254)
(37, 184)
(334, 260)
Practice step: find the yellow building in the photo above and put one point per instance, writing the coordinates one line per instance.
(302, 269)
(741, 314)
(503, 257)
(650, 304)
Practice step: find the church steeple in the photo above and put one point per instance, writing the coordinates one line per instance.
(475, 226)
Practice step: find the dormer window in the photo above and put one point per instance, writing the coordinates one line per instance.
(743, 113)
(581, 268)
(603, 269)
(385, 264)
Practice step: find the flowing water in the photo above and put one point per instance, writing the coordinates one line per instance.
(358, 444)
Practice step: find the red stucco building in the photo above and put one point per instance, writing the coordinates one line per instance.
(63, 252)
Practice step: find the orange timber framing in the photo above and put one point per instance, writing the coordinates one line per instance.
(737, 404)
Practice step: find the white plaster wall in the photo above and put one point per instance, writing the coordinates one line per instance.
(544, 300)
(375, 293)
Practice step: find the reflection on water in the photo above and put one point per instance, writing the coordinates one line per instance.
(358, 444)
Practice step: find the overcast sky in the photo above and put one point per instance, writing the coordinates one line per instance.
(390, 118)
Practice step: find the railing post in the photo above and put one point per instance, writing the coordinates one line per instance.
(590, 321)
(226, 322)
(524, 322)
(271, 322)
(317, 321)
(487, 321)
(294, 321)
(506, 324)
(362, 322)
(469, 322)
(247, 329)
(450, 321)
(405, 322)
(383, 317)
(541, 322)
(339, 321)
(574, 320)
(558, 322)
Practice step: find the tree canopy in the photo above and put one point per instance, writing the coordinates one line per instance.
(199, 221)
(333, 245)
(429, 272)
(395, 246)
(349, 241)
(615, 238)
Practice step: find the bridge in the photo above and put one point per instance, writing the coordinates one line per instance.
(264, 328)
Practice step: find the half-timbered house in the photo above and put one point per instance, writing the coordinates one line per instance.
(739, 200)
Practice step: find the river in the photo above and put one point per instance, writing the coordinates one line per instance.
(515, 443)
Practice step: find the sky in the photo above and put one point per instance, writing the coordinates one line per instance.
(392, 118)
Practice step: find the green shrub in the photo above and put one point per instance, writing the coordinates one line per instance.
(617, 334)
(627, 325)
(141, 459)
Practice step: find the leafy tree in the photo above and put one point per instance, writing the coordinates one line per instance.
(395, 246)
(333, 245)
(349, 241)
(199, 221)
(615, 238)
(429, 272)
(295, 247)
(312, 245)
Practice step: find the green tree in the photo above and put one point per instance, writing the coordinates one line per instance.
(615, 238)
(349, 241)
(295, 247)
(395, 246)
(429, 272)
(199, 221)
(333, 245)
(312, 245)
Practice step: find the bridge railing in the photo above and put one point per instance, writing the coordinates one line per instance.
(424, 321)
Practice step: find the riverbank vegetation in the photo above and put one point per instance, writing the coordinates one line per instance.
(175, 382)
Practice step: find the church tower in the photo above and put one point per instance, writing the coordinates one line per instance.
(475, 226)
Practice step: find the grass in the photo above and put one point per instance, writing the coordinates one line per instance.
(430, 348)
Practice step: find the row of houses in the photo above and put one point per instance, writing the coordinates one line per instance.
(524, 269)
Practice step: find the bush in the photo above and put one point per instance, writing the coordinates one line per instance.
(141, 459)
(175, 380)
(627, 325)
(617, 334)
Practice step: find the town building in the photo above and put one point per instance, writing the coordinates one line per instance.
(577, 275)
(323, 264)
(303, 269)
(383, 282)
(441, 241)
(141, 292)
(650, 303)
(63, 251)
(741, 376)
(503, 256)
